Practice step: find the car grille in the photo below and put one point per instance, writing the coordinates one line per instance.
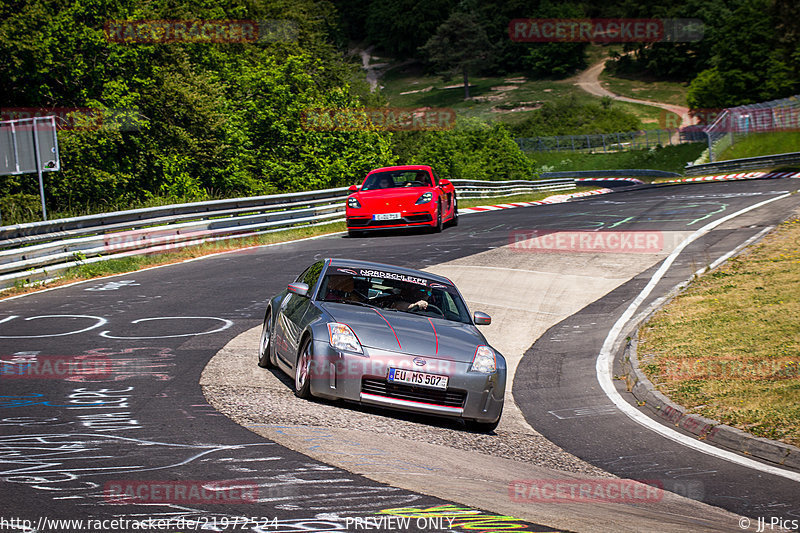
(369, 223)
(449, 398)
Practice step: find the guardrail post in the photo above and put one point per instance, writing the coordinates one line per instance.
(39, 166)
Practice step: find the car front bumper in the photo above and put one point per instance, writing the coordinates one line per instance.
(359, 223)
(363, 379)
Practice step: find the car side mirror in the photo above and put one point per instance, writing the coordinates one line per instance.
(298, 288)
(481, 319)
(444, 183)
(353, 188)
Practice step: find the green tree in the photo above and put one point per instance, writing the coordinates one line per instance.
(568, 117)
(752, 62)
(555, 60)
(473, 150)
(679, 61)
(459, 45)
(399, 27)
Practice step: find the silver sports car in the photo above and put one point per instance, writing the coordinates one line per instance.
(384, 335)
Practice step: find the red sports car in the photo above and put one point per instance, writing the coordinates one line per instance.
(404, 196)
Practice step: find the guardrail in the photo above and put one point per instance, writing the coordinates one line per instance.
(40, 250)
(68, 227)
(748, 163)
(499, 189)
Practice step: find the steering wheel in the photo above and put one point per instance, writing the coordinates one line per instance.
(415, 184)
(363, 297)
(430, 307)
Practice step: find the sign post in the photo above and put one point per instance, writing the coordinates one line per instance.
(29, 145)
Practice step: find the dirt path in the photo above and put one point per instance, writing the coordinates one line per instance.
(589, 81)
(374, 71)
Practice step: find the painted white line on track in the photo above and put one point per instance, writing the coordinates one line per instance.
(225, 325)
(659, 301)
(605, 360)
(100, 322)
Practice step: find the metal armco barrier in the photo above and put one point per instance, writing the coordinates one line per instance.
(749, 163)
(41, 250)
(482, 189)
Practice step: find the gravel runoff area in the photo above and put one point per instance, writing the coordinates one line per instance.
(235, 386)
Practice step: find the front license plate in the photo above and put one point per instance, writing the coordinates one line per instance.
(386, 216)
(420, 379)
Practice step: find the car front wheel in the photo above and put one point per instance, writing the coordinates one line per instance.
(264, 357)
(439, 225)
(302, 371)
(483, 427)
(454, 220)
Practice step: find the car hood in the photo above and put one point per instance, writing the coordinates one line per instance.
(390, 199)
(408, 333)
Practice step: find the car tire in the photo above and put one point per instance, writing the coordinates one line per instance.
(264, 356)
(302, 370)
(483, 427)
(354, 233)
(454, 220)
(439, 224)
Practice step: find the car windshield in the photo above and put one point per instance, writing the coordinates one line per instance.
(393, 291)
(397, 178)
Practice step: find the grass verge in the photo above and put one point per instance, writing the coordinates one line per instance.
(759, 144)
(728, 348)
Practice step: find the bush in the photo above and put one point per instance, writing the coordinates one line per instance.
(473, 150)
(568, 117)
(19, 208)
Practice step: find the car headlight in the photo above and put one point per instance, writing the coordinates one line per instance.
(424, 199)
(343, 338)
(484, 361)
(353, 203)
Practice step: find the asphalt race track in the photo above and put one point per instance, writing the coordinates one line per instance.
(71, 446)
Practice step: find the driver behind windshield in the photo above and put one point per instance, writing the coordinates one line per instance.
(411, 298)
(341, 288)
